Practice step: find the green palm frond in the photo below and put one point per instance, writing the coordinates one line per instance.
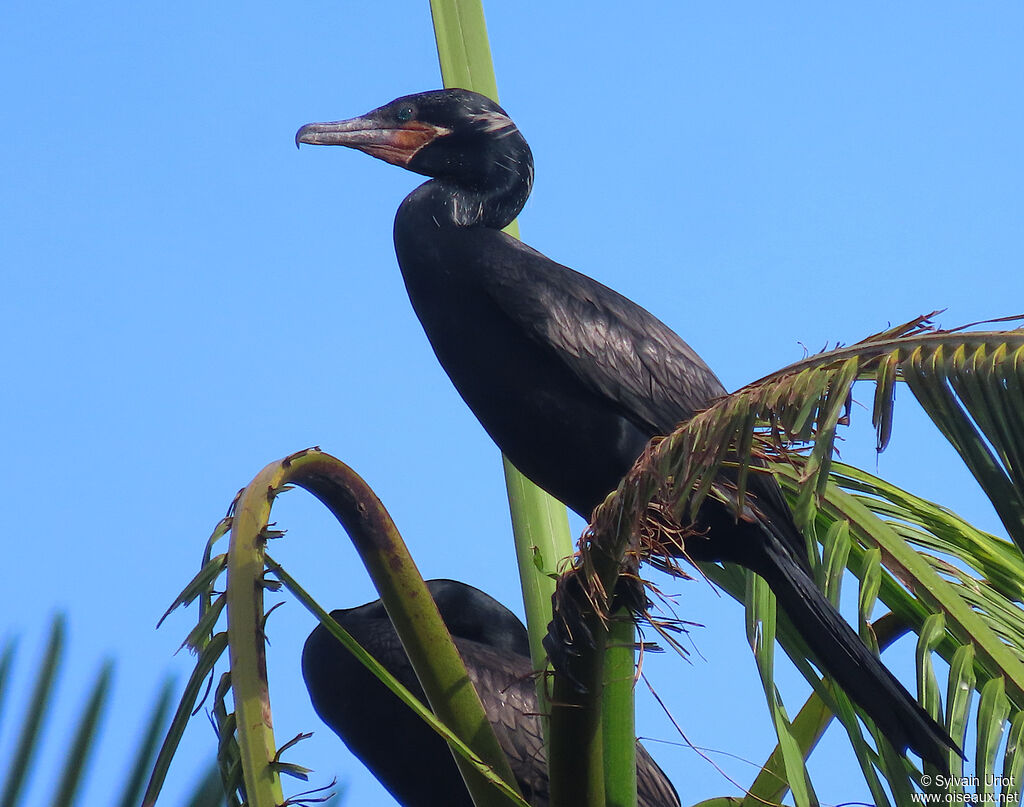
(132, 793)
(915, 557)
(35, 713)
(883, 515)
(75, 747)
(83, 743)
(992, 582)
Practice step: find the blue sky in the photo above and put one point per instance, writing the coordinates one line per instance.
(187, 297)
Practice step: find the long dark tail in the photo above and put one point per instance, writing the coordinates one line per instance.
(847, 660)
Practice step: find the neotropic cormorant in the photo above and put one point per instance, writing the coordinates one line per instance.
(570, 378)
(405, 755)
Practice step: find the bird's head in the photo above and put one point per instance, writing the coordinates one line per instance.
(456, 135)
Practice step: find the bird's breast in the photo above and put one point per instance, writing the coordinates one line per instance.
(553, 428)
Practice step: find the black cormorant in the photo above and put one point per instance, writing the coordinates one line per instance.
(406, 756)
(570, 378)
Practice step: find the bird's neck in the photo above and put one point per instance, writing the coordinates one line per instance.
(447, 203)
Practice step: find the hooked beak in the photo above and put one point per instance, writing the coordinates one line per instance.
(388, 141)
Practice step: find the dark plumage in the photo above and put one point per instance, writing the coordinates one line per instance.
(406, 756)
(569, 377)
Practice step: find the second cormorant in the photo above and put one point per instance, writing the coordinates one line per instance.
(405, 754)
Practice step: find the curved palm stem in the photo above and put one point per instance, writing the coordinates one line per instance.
(250, 758)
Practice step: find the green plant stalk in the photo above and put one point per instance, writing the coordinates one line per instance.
(576, 744)
(577, 761)
(417, 621)
(617, 713)
(541, 529)
(246, 648)
(462, 46)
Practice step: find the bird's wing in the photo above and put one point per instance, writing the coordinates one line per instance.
(614, 347)
(506, 688)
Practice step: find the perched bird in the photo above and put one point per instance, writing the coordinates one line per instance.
(570, 378)
(406, 756)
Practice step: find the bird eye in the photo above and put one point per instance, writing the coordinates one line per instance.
(404, 114)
